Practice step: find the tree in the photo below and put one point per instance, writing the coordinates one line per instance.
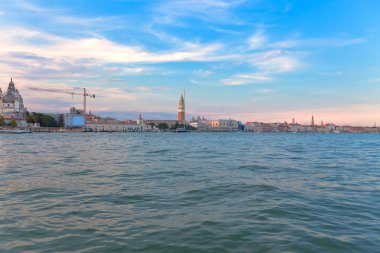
(42, 119)
(1, 120)
(175, 126)
(13, 123)
(163, 126)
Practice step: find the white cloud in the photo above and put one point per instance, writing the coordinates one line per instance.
(257, 40)
(125, 70)
(206, 10)
(264, 91)
(203, 72)
(100, 49)
(276, 61)
(244, 79)
(195, 81)
(337, 73)
(32, 8)
(317, 42)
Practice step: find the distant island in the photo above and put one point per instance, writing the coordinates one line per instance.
(14, 114)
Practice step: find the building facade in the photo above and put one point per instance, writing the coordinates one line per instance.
(12, 105)
(224, 125)
(201, 125)
(117, 127)
(156, 122)
(74, 119)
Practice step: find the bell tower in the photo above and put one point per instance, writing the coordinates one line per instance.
(181, 109)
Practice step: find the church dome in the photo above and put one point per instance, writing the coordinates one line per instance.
(11, 86)
(8, 98)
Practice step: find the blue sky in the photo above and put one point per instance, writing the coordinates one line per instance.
(249, 60)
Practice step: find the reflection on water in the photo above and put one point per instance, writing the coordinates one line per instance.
(191, 192)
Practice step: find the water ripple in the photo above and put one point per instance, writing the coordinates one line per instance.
(197, 192)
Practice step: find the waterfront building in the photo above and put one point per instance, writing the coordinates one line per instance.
(330, 127)
(171, 123)
(297, 128)
(12, 105)
(140, 120)
(98, 124)
(117, 127)
(283, 127)
(201, 125)
(181, 110)
(224, 125)
(252, 126)
(267, 127)
(74, 119)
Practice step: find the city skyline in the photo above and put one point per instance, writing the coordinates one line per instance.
(268, 61)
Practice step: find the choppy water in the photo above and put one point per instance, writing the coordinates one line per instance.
(190, 192)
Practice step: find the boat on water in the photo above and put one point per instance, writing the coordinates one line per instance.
(181, 130)
(15, 131)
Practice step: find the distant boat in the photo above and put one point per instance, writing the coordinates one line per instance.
(15, 131)
(181, 130)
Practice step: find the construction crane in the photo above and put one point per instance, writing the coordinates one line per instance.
(85, 94)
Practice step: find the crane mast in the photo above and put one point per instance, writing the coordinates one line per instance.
(85, 94)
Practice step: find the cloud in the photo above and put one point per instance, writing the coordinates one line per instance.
(217, 11)
(99, 49)
(264, 91)
(195, 81)
(244, 79)
(317, 42)
(125, 70)
(276, 61)
(257, 40)
(79, 21)
(337, 73)
(33, 8)
(203, 72)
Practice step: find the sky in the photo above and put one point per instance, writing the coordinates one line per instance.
(248, 60)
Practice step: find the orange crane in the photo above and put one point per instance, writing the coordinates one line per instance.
(85, 94)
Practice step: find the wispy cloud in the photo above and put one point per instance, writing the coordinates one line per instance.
(257, 40)
(277, 61)
(264, 91)
(100, 49)
(245, 79)
(203, 72)
(25, 5)
(125, 70)
(336, 73)
(317, 42)
(206, 10)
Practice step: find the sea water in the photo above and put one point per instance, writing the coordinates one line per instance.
(189, 192)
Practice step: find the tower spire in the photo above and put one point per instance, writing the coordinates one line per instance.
(181, 109)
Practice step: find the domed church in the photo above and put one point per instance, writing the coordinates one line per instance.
(12, 105)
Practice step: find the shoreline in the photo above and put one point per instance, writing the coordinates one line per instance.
(62, 130)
